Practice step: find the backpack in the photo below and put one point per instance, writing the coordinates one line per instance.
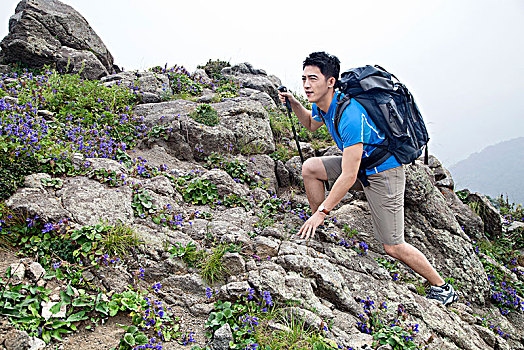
(393, 110)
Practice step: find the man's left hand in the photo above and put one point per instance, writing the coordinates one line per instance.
(310, 226)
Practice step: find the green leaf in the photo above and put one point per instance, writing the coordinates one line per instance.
(141, 339)
(102, 307)
(70, 291)
(129, 339)
(79, 316)
(132, 329)
(56, 308)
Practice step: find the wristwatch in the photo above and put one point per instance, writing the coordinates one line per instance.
(323, 209)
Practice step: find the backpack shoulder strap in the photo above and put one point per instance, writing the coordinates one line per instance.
(341, 106)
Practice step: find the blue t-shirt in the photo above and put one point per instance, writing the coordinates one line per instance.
(355, 127)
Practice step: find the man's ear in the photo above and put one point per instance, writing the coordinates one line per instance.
(331, 82)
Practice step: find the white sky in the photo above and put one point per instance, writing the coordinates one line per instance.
(462, 59)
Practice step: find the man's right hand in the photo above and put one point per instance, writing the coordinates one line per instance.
(282, 96)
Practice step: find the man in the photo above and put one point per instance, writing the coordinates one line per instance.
(385, 192)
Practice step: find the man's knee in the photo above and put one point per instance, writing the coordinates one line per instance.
(393, 250)
(312, 167)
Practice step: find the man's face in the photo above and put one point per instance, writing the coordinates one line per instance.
(315, 84)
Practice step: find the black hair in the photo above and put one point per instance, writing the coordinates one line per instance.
(329, 65)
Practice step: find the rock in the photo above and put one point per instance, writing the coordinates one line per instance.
(291, 314)
(282, 175)
(17, 340)
(46, 310)
(221, 338)
(257, 79)
(234, 263)
(224, 183)
(106, 164)
(36, 201)
(10, 100)
(151, 87)
(232, 291)
(294, 167)
(487, 212)
(35, 180)
(80, 62)
(259, 96)
(49, 32)
(115, 278)
(35, 271)
(331, 151)
(89, 201)
(4, 69)
(264, 167)
(470, 222)
(249, 122)
(266, 247)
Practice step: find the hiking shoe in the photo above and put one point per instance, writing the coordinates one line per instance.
(445, 294)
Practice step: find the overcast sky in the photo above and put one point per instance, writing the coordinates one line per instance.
(463, 60)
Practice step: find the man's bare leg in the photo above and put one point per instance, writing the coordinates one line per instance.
(313, 173)
(414, 258)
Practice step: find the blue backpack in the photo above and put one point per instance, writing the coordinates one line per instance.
(393, 110)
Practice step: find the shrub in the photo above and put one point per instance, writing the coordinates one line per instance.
(205, 114)
(214, 68)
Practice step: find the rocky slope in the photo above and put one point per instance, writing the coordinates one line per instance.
(329, 278)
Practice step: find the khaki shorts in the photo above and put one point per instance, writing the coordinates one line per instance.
(385, 195)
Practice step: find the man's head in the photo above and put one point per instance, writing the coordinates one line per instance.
(329, 65)
(321, 71)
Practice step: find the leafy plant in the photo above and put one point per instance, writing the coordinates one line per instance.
(142, 203)
(205, 114)
(132, 338)
(200, 191)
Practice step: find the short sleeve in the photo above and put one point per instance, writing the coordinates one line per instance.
(351, 126)
(314, 114)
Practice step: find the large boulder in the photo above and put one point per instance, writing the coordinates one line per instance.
(49, 32)
(244, 126)
(253, 78)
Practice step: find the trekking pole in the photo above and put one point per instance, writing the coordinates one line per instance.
(282, 88)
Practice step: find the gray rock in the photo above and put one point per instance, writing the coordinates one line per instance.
(221, 338)
(259, 96)
(282, 173)
(470, 222)
(264, 167)
(232, 291)
(35, 271)
(80, 62)
(10, 100)
(116, 278)
(234, 263)
(106, 164)
(257, 79)
(249, 122)
(225, 184)
(36, 201)
(151, 87)
(294, 167)
(50, 32)
(17, 340)
(88, 201)
(266, 247)
(4, 69)
(35, 180)
(488, 213)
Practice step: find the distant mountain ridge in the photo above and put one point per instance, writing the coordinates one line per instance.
(496, 170)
